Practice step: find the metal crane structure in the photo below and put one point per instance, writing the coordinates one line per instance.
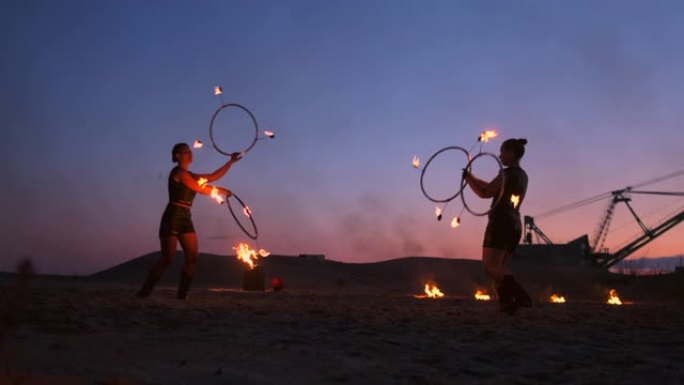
(596, 252)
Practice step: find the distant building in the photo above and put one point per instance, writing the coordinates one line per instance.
(313, 257)
(575, 252)
(679, 269)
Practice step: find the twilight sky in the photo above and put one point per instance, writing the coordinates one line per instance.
(95, 93)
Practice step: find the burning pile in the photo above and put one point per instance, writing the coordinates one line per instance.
(249, 256)
(482, 295)
(431, 291)
(614, 299)
(557, 298)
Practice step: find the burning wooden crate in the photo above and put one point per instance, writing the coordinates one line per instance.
(253, 280)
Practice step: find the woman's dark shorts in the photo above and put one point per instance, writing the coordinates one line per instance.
(176, 220)
(502, 235)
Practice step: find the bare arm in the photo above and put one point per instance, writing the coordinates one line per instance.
(482, 188)
(190, 182)
(220, 172)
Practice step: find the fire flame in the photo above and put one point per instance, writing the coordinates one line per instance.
(515, 199)
(557, 298)
(197, 144)
(249, 256)
(416, 161)
(270, 134)
(202, 182)
(438, 213)
(215, 194)
(247, 211)
(455, 222)
(481, 295)
(488, 134)
(218, 90)
(614, 299)
(431, 291)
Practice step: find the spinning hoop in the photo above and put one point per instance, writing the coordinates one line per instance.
(211, 129)
(501, 190)
(427, 164)
(247, 212)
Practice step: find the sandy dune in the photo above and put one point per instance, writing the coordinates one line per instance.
(92, 331)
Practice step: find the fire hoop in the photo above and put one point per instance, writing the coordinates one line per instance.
(246, 212)
(501, 190)
(213, 120)
(427, 164)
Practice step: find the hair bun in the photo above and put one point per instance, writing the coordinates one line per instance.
(522, 141)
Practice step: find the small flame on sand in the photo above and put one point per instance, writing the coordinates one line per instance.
(614, 299)
(218, 90)
(515, 199)
(431, 291)
(455, 222)
(249, 256)
(215, 194)
(197, 144)
(488, 134)
(202, 182)
(438, 213)
(482, 295)
(270, 134)
(416, 161)
(555, 298)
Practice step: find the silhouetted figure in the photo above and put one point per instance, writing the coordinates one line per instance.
(176, 223)
(504, 228)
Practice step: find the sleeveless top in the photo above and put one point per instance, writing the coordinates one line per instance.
(178, 192)
(515, 184)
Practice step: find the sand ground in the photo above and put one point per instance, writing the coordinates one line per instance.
(90, 333)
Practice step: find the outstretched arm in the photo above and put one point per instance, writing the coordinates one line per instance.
(189, 180)
(219, 173)
(482, 188)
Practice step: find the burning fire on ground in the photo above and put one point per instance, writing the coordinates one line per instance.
(482, 295)
(431, 291)
(248, 255)
(555, 298)
(613, 299)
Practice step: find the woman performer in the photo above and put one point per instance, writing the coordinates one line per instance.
(504, 229)
(176, 223)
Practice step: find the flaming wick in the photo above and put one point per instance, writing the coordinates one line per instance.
(197, 144)
(218, 90)
(455, 222)
(416, 161)
(486, 135)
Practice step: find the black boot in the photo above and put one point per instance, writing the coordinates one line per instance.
(184, 285)
(148, 285)
(506, 299)
(522, 299)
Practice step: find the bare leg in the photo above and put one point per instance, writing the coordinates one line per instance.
(190, 247)
(493, 261)
(168, 250)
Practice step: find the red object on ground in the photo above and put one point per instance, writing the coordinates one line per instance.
(277, 284)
